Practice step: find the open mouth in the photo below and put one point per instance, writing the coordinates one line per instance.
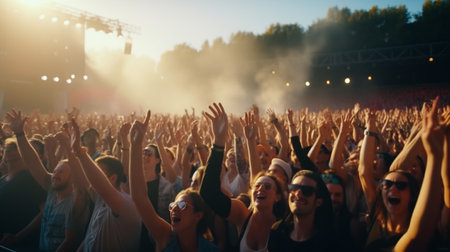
(393, 201)
(175, 220)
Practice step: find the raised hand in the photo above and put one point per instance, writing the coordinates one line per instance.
(219, 123)
(76, 137)
(433, 134)
(63, 140)
(249, 125)
(290, 116)
(16, 120)
(138, 130)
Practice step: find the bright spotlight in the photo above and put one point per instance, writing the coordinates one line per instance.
(56, 79)
(85, 77)
(72, 76)
(69, 81)
(347, 80)
(369, 77)
(307, 83)
(78, 25)
(273, 72)
(288, 84)
(328, 82)
(42, 17)
(44, 77)
(54, 19)
(430, 59)
(66, 22)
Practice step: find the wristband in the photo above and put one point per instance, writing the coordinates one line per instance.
(370, 133)
(218, 147)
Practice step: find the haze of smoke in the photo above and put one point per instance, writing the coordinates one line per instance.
(134, 85)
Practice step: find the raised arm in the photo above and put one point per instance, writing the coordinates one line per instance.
(324, 133)
(234, 210)
(166, 162)
(96, 177)
(426, 211)
(29, 155)
(159, 229)
(337, 154)
(201, 147)
(50, 146)
(296, 146)
(367, 156)
(284, 142)
(250, 129)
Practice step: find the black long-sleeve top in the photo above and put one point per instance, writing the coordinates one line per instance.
(302, 155)
(210, 188)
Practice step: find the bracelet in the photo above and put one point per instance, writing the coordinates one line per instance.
(20, 133)
(218, 147)
(370, 133)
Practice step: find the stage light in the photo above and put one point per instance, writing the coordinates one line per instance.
(85, 77)
(56, 79)
(307, 83)
(273, 72)
(44, 77)
(54, 19)
(78, 25)
(69, 81)
(288, 84)
(347, 81)
(430, 59)
(66, 22)
(328, 67)
(72, 76)
(42, 17)
(328, 82)
(369, 77)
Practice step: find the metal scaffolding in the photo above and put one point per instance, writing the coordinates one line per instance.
(396, 53)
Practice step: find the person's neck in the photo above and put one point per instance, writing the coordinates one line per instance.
(188, 239)
(91, 150)
(397, 223)
(267, 214)
(303, 227)
(61, 195)
(149, 173)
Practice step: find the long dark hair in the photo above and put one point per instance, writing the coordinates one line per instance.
(379, 209)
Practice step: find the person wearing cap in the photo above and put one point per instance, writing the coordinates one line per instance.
(280, 169)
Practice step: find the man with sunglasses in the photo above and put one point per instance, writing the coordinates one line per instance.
(309, 225)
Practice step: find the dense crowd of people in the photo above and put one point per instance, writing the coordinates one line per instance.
(356, 179)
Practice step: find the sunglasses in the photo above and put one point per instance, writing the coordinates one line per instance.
(180, 204)
(401, 185)
(265, 186)
(330, 178)
(306, 190)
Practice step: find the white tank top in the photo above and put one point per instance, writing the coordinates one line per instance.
(243, 245)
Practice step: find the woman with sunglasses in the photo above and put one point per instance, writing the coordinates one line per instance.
(188, 214)
(268, 204)
(391, 202)
(309, 225)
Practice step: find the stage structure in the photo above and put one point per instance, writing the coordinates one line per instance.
(42, 51)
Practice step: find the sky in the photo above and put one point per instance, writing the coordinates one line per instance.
(165, 23)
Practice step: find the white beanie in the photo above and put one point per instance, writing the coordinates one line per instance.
(284, 165)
